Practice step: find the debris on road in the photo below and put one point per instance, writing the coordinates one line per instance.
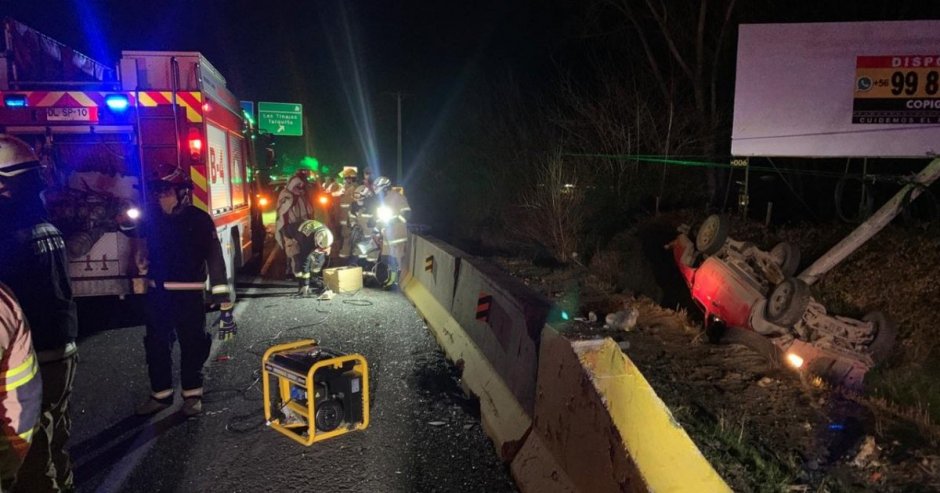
(624, 320)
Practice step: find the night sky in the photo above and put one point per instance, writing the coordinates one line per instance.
(344, 59)
(310, 52)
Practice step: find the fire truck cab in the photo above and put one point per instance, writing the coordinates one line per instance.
(102, 133)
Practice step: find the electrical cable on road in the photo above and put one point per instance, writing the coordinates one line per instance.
(245, 423)
(248, 422)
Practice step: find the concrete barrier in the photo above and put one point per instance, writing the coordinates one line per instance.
(435, 265)
(566, 416)
(504, 419)
(408, 261)
(599, 426)
(504, 318)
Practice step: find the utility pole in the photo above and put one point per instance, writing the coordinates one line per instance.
(398, 95)
(398, 98)
(308, 137)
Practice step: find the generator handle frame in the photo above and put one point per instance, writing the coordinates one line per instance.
(294, 431)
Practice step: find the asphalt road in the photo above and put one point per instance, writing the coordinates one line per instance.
(424, 434)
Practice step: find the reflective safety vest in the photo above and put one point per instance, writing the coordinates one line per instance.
(20, 386)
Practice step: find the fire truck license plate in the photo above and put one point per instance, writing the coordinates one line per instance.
(72, 114)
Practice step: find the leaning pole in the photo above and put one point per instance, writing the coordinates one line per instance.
(873, 225)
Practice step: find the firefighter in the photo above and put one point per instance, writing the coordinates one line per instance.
(21, 401)
(34, 266)
(367, 180)
(182, 247)
(350, 183)
(293, 207)
(359, 220)
(392, 214)
(314, 240)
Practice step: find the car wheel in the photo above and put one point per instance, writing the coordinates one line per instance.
(787, 302)
(712, 234)
(787, 257)
(886, 332)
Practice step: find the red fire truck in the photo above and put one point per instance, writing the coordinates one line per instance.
(102, 133)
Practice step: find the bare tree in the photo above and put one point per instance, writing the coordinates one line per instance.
(552, 212)
(683, 46)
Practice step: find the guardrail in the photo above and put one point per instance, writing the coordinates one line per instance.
(566, 416)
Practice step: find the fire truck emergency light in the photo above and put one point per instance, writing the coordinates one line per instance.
(14, 100)
(116, 102)
(195, 144)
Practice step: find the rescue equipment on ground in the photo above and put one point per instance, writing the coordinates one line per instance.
(347, 279)
(320, 394)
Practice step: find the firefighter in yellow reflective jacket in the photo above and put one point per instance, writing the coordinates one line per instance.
(392, 216)
(350, 182)
(20, 388)
(314, 241)
(360, 221)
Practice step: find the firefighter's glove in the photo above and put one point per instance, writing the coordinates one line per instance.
(227, 326)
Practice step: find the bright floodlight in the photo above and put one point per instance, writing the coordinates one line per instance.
(133, 213)
(384, 213)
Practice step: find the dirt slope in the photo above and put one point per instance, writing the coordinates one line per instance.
(765, 428)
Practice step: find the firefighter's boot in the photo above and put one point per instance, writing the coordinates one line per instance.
(316, 286)
(153, 405)
(192, 406)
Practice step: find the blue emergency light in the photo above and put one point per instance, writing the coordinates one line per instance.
(117, 102)
(14, 100)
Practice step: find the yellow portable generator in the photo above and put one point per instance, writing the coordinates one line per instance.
(321, 393)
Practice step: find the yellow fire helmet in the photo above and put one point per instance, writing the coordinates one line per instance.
(349, 172)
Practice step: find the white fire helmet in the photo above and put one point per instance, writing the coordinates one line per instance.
(382, 184)
(16, 157)
(323, 237)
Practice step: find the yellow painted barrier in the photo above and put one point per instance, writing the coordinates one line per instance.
(655, 441)
(504, 419)
(590, 422)
(601, 427)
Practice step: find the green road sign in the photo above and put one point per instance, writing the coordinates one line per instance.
(281, 118)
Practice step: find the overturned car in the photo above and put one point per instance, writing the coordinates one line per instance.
(740, 286)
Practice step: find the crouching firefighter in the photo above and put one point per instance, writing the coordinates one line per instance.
(314, 241)
(182, 247)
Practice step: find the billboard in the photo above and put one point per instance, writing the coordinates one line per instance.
(843, 89)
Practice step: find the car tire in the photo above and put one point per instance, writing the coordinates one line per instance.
(712, 234)
(787, 257)
(787, 302)
(886, 333)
